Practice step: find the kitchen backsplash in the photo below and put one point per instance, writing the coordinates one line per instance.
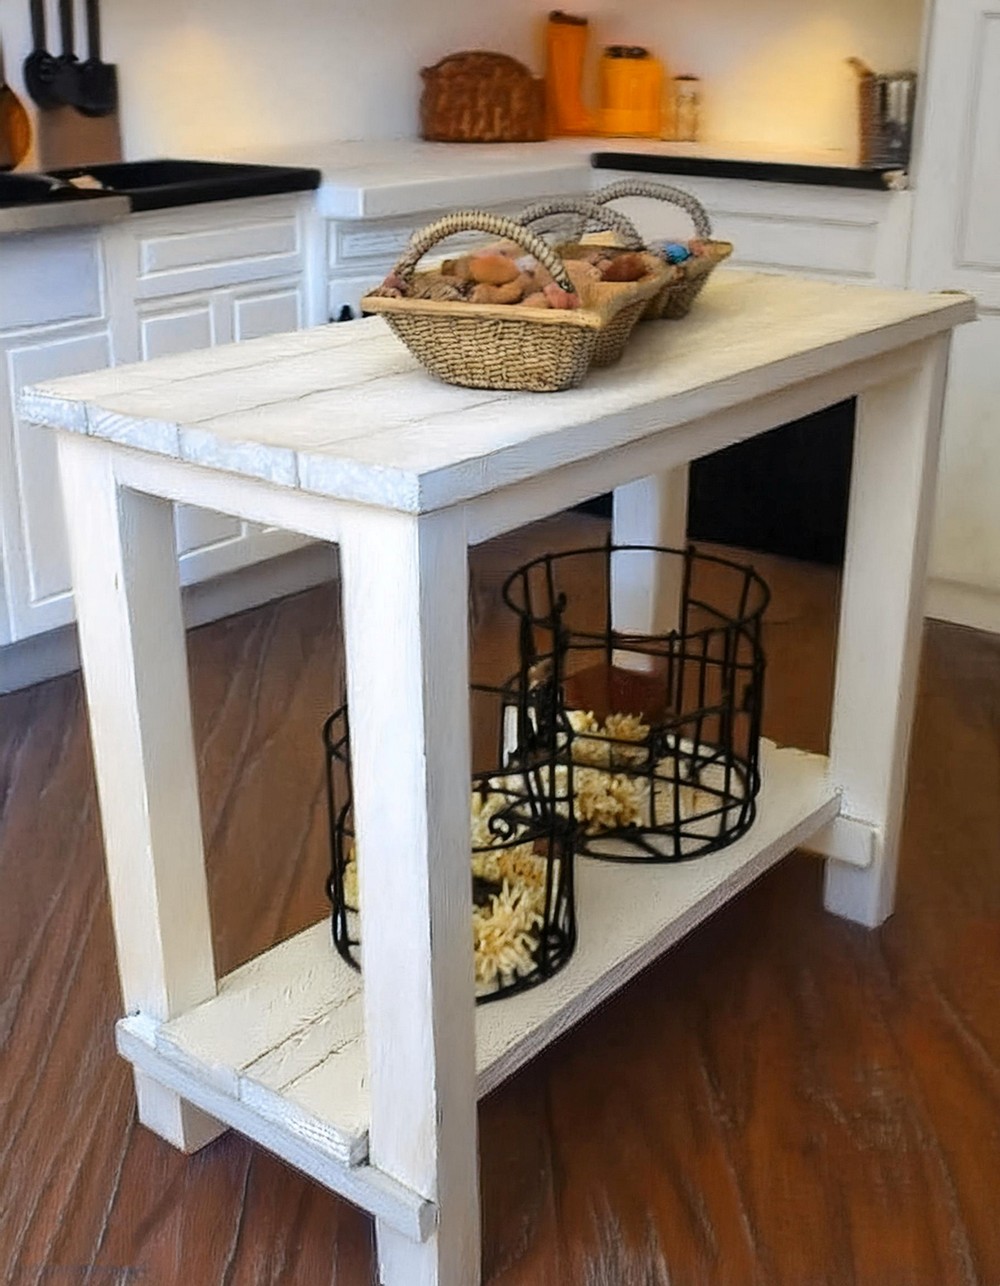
(201, 77)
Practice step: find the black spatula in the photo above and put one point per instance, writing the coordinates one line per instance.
(67, 86)
(98, 80)
(40, 68)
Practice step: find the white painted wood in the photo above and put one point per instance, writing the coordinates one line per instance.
(279, 408)
(218, 245)
(646, 590)
(400, 440)
(510, 507)
(373, 1191)
(406, 640)
(50, 278)
(268, 310)
(132, 644)
(849, 235)
(882, 597)
(846, 840)
(284, 1037)
(175, 327)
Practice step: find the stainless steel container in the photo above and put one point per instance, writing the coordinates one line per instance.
(887, 101)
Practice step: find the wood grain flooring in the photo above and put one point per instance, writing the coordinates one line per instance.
(783, 1100)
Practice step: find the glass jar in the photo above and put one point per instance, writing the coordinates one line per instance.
(687, 108)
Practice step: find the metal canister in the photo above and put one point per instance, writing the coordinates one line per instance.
(886, 101)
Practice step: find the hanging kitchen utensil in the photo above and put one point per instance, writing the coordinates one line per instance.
(98, 79)
(67, 86)
(15, 125)
(40, 68)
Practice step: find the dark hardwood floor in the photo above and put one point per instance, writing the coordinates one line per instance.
(784, 1100)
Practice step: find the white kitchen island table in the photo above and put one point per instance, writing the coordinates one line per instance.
(337, 434)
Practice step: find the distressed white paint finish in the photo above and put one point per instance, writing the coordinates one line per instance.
(646, 589)
(284, 1038)
(362, 422)
(881, 611)
(135, 664)
(295, 431)
(846, 840)
(405, 632)
(403, 1209)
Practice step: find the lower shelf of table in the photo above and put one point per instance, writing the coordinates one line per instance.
(279, 1053)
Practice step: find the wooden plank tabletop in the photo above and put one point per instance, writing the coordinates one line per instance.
(346, 412)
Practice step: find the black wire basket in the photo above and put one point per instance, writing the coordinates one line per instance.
(521, 845)
(656, 733)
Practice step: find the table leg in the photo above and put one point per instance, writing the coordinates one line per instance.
(885, 568)
(132, 647)
(646, 593)
(405, 628)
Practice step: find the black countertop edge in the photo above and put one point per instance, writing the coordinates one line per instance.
(169, 184)
(837, 176)
(273, 184)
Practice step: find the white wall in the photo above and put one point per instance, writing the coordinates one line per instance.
(202, 77)
(773, 70)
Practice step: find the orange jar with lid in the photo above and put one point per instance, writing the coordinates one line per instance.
(631, 91)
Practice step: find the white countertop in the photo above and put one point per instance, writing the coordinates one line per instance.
(399, 177)
(346, 412)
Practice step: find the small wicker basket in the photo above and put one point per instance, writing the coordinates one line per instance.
(678, 295)
(510, 346)
(481, 97)
(617, 230)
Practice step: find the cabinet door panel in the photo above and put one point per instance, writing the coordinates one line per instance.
(41, 583)
(267, 312)
(176, 330)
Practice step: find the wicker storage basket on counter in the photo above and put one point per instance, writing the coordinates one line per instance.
(679, 294)
(481, 97)
(514, 347)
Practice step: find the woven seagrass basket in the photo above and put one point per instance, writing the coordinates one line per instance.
(481, 97)
(509, 346)
(614, 229)
(677, 296)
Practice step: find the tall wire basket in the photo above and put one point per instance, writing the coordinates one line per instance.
(656, 732)
(521, 847)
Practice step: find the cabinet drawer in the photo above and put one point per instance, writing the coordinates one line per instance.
(216, 246)
(50, 279)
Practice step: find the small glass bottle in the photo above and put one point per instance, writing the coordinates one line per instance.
(687, 108)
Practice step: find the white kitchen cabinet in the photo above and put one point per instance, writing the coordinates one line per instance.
(956, 246)
(53, 321)
(359, 252)
(215, 274)
(151, 285)
(841, 234)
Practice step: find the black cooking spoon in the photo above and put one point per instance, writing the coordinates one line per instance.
(67, 86)
(98, 80)
(40, 68)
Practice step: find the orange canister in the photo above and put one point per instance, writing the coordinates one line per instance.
(631, 91)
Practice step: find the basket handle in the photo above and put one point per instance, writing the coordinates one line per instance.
(659, 192)
(590, 212)
(499, 225)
